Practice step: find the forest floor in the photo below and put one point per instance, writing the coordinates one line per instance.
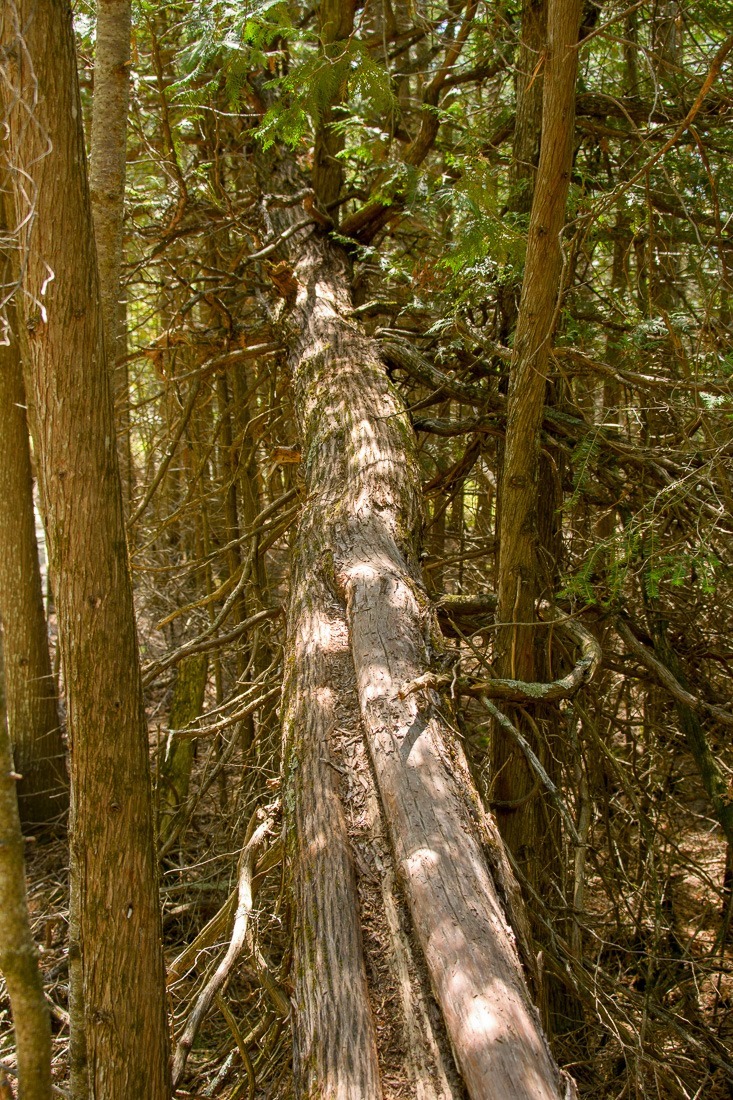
(662, 980)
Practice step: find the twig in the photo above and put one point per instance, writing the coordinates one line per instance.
(247, 861)
(5, 1068)
(274, 245)
(534, 763)
(665, 677)
(243, 1052)
(205, 642)
(160, 473)
(224, 723)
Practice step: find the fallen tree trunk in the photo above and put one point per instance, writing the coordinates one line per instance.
(335, 1050)
(360, 544)
(348, 910)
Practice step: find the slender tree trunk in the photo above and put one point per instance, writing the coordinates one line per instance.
(18, 956)
(362, 519)
(336, 20)
(107, 162)
(176, 765)
(527, 819)
(520, 567)
(113, 864)
(534, 335)
(30, 688)
(528, 125)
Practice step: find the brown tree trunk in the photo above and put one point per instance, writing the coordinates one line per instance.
(177, 762)
(520, 567)
(30, 689)
(115, 906)
(529, 86)
(361, 522)
(18, 957)
(108, 157)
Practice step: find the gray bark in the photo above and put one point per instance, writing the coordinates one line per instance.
(335, 1049)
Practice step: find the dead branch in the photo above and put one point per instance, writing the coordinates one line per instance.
(247, 862)
(536, 766)
(667, 680)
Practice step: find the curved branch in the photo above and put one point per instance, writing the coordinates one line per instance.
(402, 355)
(667, 679)
(522, 691)
(666, 668)
(535, 764)
(247, 862)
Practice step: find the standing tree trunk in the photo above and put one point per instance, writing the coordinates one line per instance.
(30, 688)
(175, 766)
(115, 908)
(520, 568)
(18, 957)
(361, 522)
(108, 158)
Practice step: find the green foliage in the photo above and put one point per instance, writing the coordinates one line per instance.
(286, 124)
(584, 461)
(650, 331)
(481, 227)
(636, 551)
(701, 568)
(340, 73)
(231, 41)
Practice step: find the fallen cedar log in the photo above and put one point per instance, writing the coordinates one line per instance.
(361, 523)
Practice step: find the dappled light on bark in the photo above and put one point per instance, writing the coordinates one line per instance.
(369, 537)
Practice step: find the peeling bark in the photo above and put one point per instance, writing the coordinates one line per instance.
(335, 1049)
(347, 899)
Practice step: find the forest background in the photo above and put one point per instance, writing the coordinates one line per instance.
(417, 323)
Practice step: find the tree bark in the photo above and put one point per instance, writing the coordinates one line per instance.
(18, 956)
(113, 865)
(30, 688)
(534, 333)
(177, 762)
(529, 86)
(362, 519)
(335, 20)
(529, 82)
(107, 162)
(331, 1000)
(521, 516)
